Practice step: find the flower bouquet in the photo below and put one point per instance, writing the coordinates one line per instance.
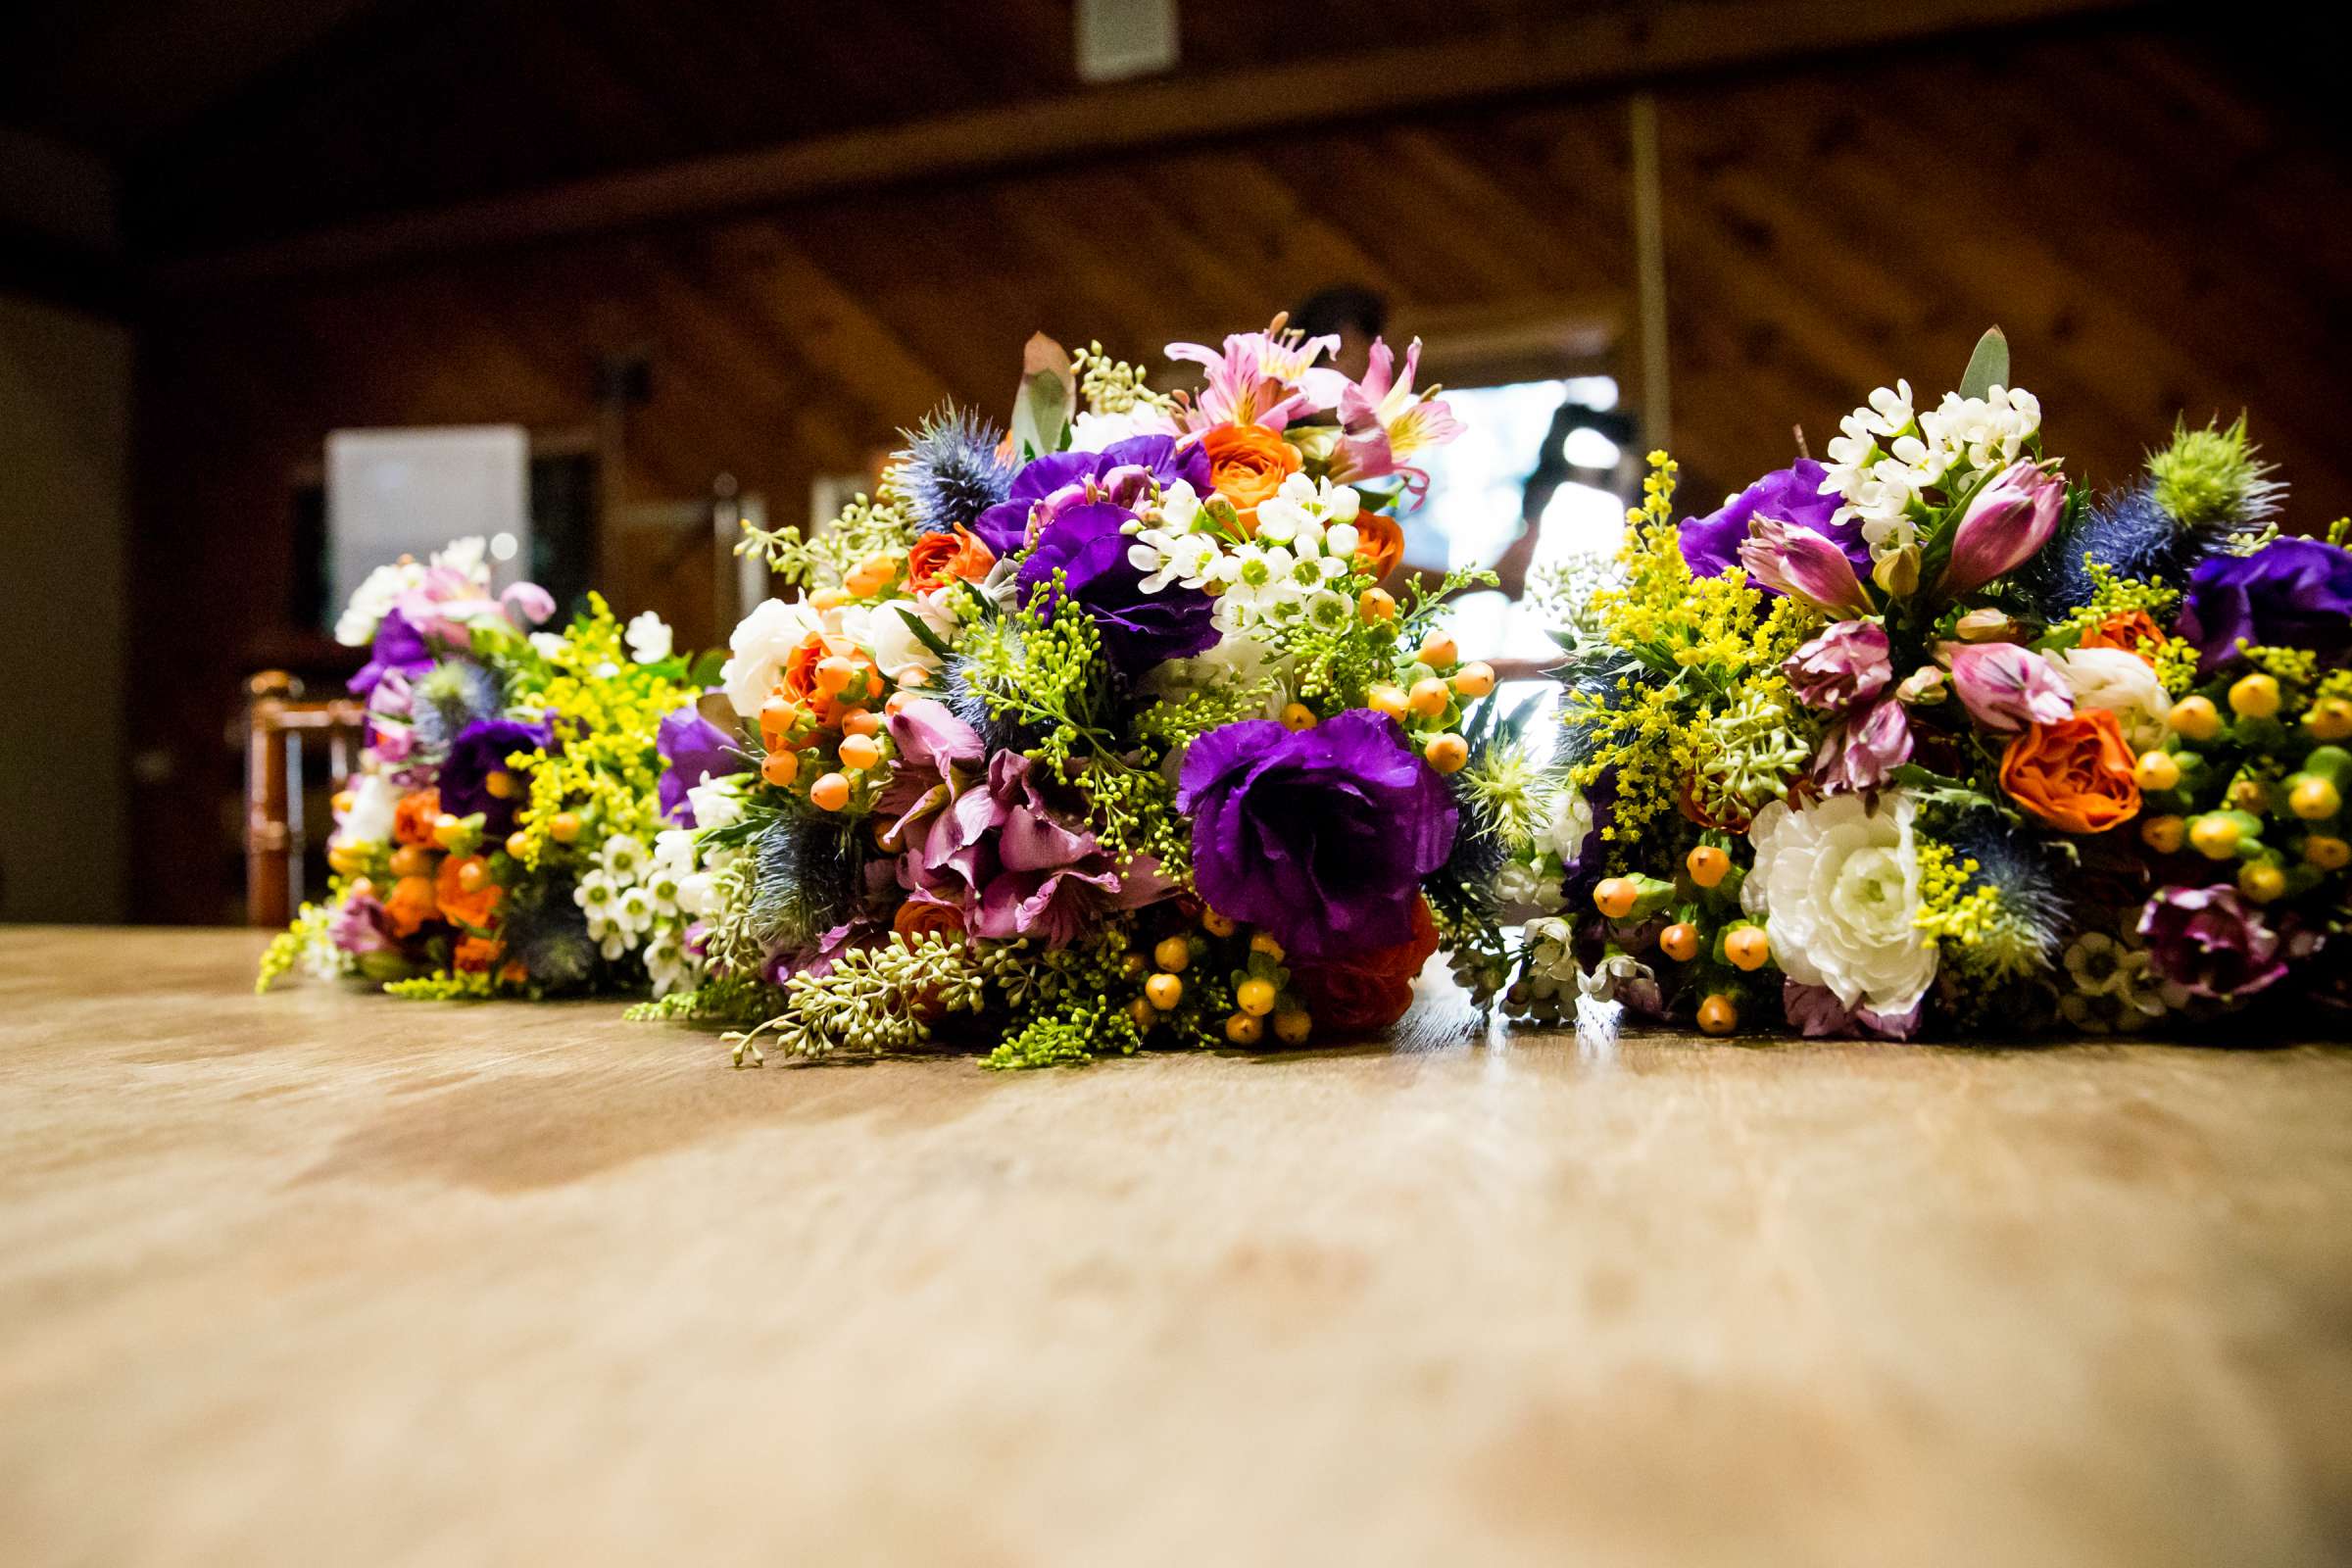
(1103, 732)
(1926, 737)
(503, 833)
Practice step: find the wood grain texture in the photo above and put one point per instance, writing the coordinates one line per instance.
(318, 1276)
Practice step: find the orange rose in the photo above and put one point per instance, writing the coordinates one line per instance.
(459, 906)
(414, 818)
(2125, 629)
(477, 954)
(948, 555)
(1373, 989)
(2074, 774)
(410, 904)
(1378, 537)
(922, 917)
(1246, 464)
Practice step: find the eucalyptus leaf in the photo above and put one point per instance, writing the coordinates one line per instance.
(1049, 396)
(1988, 366)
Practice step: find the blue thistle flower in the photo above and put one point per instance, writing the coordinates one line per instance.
(450, 696)
(2127, 532)
(2023, 871)
(805, 884)
(950, 470)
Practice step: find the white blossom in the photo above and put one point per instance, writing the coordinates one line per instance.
(1842, 886)
(649, 639)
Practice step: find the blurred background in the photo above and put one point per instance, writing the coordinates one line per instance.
(287, 288)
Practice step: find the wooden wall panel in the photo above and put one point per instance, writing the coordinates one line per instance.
(2141, 211)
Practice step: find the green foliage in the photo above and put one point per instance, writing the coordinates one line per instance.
(871, 1001)
(867, 526)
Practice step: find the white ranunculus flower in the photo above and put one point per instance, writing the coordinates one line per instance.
(2121, 683)
(649, 639)
(882, 629)
(1840, 885)
(759, 647)
(369, 819)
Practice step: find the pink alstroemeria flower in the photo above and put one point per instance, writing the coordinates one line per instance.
(2005, 526)
(1384, 421)
(2005, 687)
(1862, 751)
(1802, 564)
(1266, 378)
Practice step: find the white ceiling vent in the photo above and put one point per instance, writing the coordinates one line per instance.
(1123, 38)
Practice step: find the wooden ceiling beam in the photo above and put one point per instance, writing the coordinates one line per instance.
(1590, 49)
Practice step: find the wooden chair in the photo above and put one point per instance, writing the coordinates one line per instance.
(276, 722)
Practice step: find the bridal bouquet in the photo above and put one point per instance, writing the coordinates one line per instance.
(1926, 735)
(1102, 732)
(504, 835)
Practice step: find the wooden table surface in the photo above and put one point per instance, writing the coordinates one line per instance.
(324, 1278)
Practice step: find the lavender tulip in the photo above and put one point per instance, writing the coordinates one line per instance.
(2005, 526)
(1804, 566)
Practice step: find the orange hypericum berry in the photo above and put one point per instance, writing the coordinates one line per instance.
(859, 751)
(1718, 1014)
(828, 599)
(1616, 897)
(1298, 716)
(834, 674)
(1748, 947)
(860, 722)
(1707, 866)
(1430, 697)
(1376, 603)
(516, 842)
(1163, 991)
(1293, 1025)
(1680, 941)
(1244, 1030)
(1388, 699)
(781, 768)
(1439, 652)
(830, 792)
(1474, 679)
(1447, 752)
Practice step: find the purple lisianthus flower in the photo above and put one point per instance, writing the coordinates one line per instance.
(1322, 835)
(2213, 942)
(1140, 628)
(2292, 593)
(693, 749)
(479, 751)
(1790, 495)
(1847, 665)
(1004, 528)
(398, 650)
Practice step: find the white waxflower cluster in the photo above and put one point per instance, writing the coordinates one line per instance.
(1886, 455)
(617, 896)
(2115, 985)
(1306, 538)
